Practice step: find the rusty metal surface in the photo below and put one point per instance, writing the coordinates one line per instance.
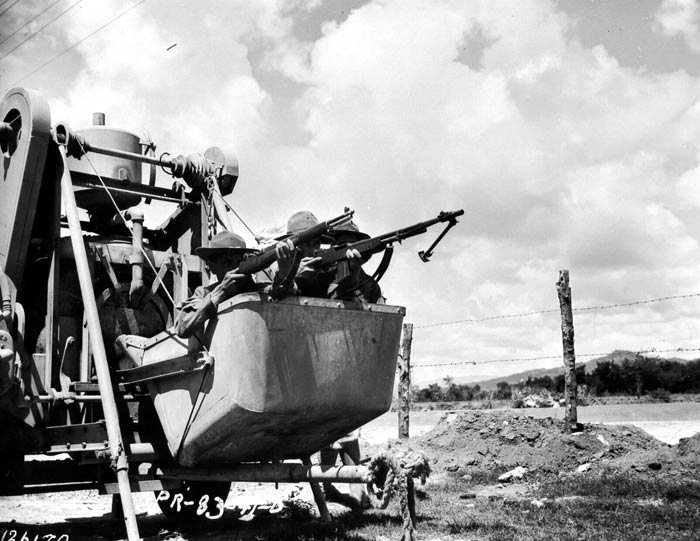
(21, 176)
(288, 378)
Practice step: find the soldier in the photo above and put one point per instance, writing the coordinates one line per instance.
(296, 267)
(359, 284)
(299, 274)
(223, 255)
(311, 281)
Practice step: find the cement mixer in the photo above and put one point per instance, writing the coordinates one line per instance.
(266, 385)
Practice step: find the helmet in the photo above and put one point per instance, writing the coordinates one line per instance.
(222, 243)
(349, 229)
(300, 221)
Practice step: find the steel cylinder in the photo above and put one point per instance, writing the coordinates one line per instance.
(107, 167)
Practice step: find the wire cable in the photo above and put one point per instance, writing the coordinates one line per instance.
(549, 357)
(30, 21)
(78, 42)
(126, 223)
(25, 40)
(230, 209)
(8, 8)
(581, 309)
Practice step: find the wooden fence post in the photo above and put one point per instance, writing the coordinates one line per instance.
(567, 335)
(405, 380)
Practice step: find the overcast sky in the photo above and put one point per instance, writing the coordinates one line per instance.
(569, 132)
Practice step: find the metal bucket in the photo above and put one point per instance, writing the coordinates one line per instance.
(289, 377)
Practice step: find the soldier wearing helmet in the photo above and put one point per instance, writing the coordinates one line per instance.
(359, 284)
(223, 255)
(298, 272)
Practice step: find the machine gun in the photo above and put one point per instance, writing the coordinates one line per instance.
(338, 254)
(139, 408)
(265, 258)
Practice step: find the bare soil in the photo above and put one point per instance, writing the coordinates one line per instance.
(473, 446)
(492, 443)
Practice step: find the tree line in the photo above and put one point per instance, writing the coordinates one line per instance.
(636, 375)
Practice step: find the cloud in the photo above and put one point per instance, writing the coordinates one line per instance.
(561, 156)
(680, 18)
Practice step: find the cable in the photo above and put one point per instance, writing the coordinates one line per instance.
(582, 309)
(143, 251)
(30, 21)
(603, 307)
(126, 224)
(8, 8)
(40, 29)
(548, 357)
(230, 209)
(489, 318)
(78, 43)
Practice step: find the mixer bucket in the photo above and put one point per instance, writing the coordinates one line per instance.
(288, 378)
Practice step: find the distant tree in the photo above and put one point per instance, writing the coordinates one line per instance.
(542, 382)
(503, 391)
(558, 383)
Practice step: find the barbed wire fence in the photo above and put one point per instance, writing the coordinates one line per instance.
(566, 311)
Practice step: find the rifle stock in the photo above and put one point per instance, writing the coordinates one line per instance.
(268, 256)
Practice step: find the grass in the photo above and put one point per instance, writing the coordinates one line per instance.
(624, 507)
(621, 507)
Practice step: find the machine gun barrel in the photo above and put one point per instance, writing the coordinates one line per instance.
(265, 258)
(377, 244)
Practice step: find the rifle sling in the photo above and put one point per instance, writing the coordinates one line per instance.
(383, 264)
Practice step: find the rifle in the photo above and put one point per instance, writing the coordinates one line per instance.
(373, 245)
(267, 256)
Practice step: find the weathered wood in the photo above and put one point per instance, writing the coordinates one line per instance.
(567, 334)
(405, 380)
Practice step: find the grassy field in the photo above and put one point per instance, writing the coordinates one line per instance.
(579, 508)
(632, 501)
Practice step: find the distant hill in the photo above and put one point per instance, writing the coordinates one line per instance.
(615, 356)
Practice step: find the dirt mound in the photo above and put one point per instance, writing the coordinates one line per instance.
(688, 449)
(499, 441)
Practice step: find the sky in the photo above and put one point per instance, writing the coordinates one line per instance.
(568, 131)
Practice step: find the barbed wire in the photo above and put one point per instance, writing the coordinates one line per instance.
(557, 310)
(549, 357)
